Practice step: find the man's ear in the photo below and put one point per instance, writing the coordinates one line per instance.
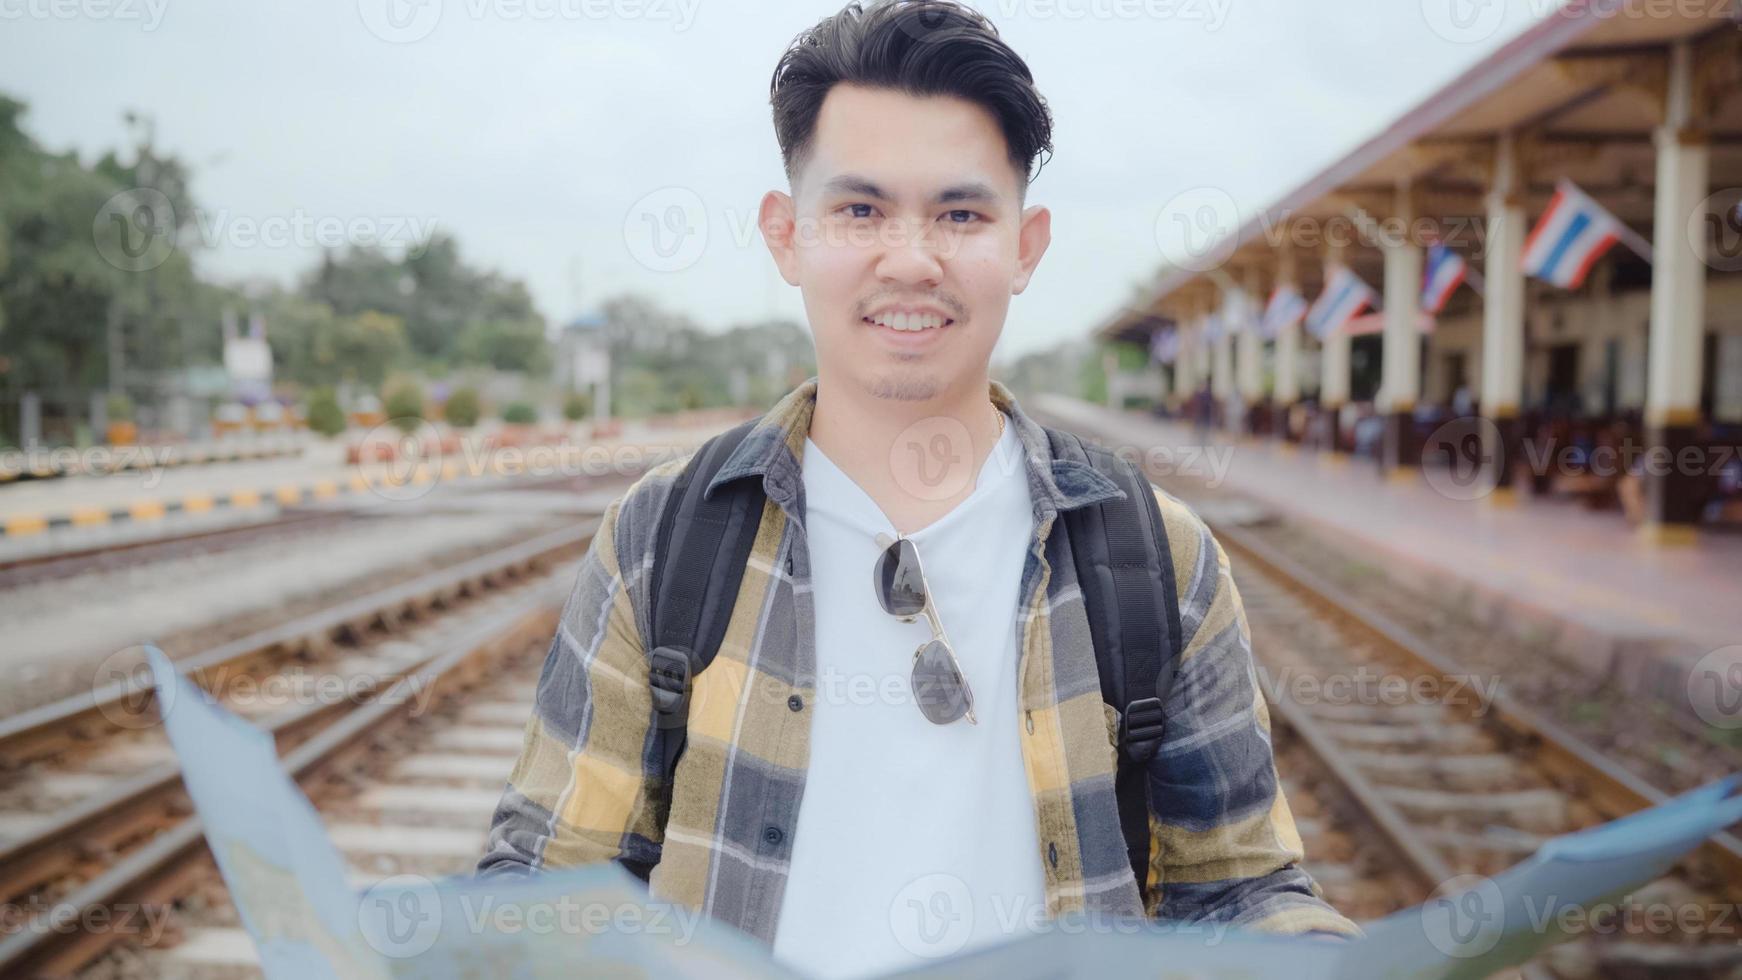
(777, 219)
(1031, 243)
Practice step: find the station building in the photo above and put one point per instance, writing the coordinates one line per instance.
(1613, 366)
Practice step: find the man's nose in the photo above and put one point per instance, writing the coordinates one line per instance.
(910, 253)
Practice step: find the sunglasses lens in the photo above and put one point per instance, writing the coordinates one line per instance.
(899, 586)
(937, 686)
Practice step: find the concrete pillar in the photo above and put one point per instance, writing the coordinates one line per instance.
(1333, 363)
(1206, 351)
(99, 416)
(1678, 311)
(1287, 388)
(1186, 376)
(29, 420)
(1502, 371)
(1401, 365)
(1222, 366)
(1249, 356)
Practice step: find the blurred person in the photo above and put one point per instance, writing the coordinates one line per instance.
(819, 817)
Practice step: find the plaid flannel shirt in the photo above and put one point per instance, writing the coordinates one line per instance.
(588, 787)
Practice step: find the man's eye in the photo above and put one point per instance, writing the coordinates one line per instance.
(850, 208)
(962, 217)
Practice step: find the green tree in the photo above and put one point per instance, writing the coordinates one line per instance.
(461, 408)
(403, 404)
(450, 310)
(508, 345)
(577, 405)
(370, 343)
(324, 414)
(519, 413)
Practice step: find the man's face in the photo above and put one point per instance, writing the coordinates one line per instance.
(906, 237)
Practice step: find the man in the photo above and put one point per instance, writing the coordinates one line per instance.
(818, 804)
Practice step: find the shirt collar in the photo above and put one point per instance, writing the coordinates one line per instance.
(774, 449)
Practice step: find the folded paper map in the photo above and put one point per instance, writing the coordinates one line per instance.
(289, 885)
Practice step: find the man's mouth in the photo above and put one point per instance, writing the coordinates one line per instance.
(907, 322)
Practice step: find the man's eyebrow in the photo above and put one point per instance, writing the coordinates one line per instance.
(864, 187)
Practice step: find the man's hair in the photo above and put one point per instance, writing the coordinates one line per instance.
(922, 48)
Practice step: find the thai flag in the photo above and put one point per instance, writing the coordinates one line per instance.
(1285, 309)
(1569, 237)
(1445, 271)
(1344, 297)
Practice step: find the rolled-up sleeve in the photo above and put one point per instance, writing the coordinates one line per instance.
(586, 787)
(1226, 849)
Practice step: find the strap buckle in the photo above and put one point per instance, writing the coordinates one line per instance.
(1141, 727)
(668, 674)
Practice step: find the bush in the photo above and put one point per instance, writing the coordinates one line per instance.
(577, 406)
(520, 413)
(404, 406)
(324, 414)
(461, 408)
(119, 408)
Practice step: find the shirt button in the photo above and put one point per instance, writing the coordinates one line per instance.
(772, 835)
(1030, 723)
(795, 702)
(789, 564)
(1052, 853)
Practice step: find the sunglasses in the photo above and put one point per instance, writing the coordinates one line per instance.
(938, 685)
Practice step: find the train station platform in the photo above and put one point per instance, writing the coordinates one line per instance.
(1589, 576)
(84, 511)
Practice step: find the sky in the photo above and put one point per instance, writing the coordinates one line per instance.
(552, 137)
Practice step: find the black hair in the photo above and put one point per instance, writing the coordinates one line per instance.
(922, 48)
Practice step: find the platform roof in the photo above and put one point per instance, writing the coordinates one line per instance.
(1582, 91)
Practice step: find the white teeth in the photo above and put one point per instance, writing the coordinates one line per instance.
(908, 321)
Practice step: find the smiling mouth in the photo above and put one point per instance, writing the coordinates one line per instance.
(907, 323)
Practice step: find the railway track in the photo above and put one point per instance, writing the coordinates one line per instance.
(416, 801)
(67, 564)
(1457, 781)
(1407, 773)
(1435, 776)
(94, 825)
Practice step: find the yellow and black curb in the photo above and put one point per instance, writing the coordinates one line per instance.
(128, 458)
(284, 495)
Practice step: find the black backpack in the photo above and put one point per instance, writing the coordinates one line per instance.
(1123, 563)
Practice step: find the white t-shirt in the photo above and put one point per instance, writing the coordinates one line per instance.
(913, 841)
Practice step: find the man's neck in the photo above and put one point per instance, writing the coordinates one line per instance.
(915, 459)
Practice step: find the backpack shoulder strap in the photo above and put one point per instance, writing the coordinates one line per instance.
(701, 547)
(1125, 568)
